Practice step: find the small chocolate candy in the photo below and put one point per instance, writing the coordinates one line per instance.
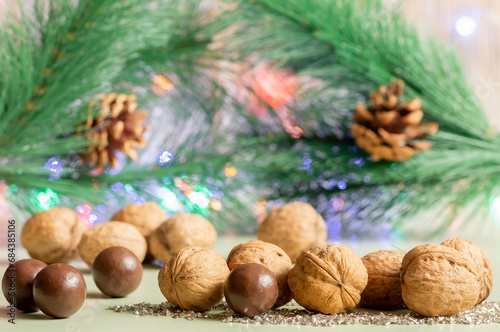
(17, 283)
(59, 290)
(251, 289)
(117, 271)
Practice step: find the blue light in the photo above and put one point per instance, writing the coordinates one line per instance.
(465, 26)
(93, 218)
(138, 200)
(306, 161)
(358, 160)
(117, 186)
(165, 158)
(341, 185)
(55, 166)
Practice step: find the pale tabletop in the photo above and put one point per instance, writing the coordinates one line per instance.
(94, 316)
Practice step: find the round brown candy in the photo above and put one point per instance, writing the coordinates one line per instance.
(117, 271)
(251, 289)
(59, 290)
(17, 283)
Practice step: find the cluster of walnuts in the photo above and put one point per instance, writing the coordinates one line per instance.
(432, 280)
(59, 235)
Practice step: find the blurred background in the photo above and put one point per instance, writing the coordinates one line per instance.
(472, 26)
(268, 125)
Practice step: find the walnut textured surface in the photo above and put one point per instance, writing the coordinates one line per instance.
(483, 265)
(438, 280)
(111, 234)
(295, 227)
(146, 217)
(53, 236)
(180, 231)
(194, 278)
(383, 290)
(269, 255)
(328, 279)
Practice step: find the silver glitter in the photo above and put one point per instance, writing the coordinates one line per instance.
(292, 314)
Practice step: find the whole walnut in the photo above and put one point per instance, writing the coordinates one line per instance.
(437, 280)
(180, 231)
(194, 278)
(383, 290)
(483, 265)
(328, 279)
(111, 234)
(146, 218)
(295, 227)
(269, 255)
(53, 236)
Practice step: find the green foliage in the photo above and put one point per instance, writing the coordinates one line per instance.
(353, 47)
(339, 51)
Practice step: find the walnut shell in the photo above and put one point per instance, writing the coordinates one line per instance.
(194, 278)
(383, 290)
(111, 234)
(295, 227)
(269, 255)
(328, 279)
(483, 265)
(438, 281)
(146, 217)
(53, 236)
(180, 231)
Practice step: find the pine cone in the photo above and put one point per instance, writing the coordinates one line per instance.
(118, 127)
(389, 129)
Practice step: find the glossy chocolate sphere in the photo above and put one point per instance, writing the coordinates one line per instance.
(117, 271)
(59, 290)
(251, 289)
(17, 283)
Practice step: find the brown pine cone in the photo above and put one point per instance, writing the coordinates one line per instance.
(390, 129)
(118, 126)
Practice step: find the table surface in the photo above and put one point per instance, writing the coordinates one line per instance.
(94, 316)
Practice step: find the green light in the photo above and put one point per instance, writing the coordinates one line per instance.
(47, 199)
(129, 189)
(14, 188)
(169, 200)
(199, 199)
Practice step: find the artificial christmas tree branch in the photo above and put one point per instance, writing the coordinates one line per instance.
(271, 87)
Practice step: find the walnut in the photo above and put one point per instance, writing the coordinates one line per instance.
(294, 228)
(194, 278)
(483, 265)
(180, 231)
(438, 281)
(146, 218)
(111, 234)
(383, 290)
(328, 279)
(53, 236)
(269, 255)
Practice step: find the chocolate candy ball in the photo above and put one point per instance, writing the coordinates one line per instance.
(17, 283)
(251, 289)
(59, 290)
(117, 271)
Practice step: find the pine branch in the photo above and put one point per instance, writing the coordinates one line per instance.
(371, 42)
(59, 58)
